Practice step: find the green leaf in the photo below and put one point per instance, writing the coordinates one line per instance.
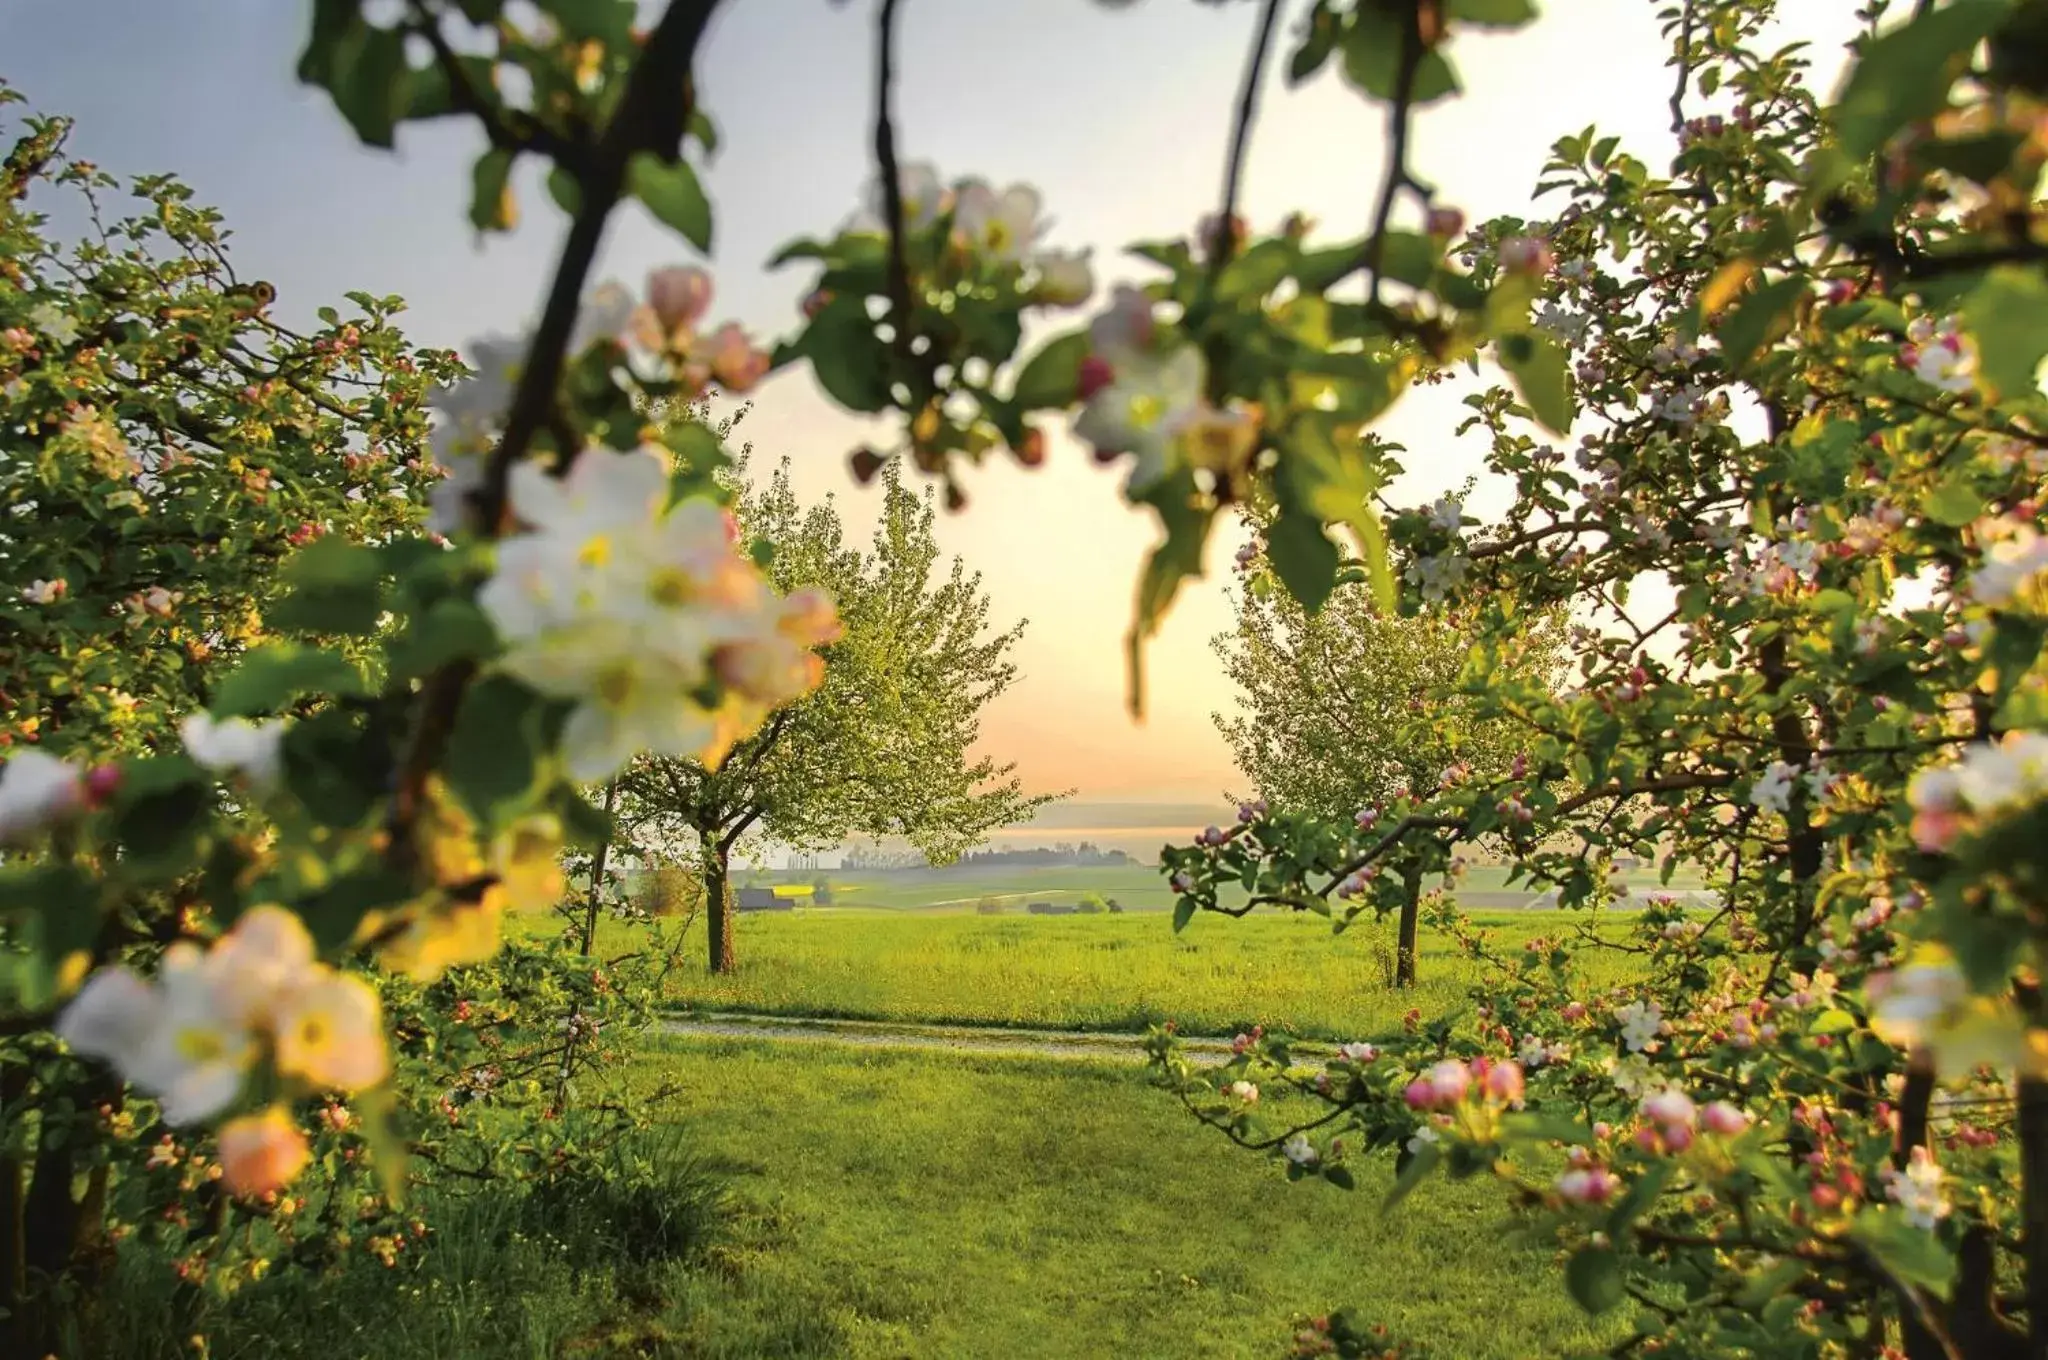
(846, 357)
(1904, 75)
(1954, 502)
(1640, 1196)
(277, 673)
(1176, 559)
(1372, 61)
(493, 760)
(1183, 912)
(1543, 377)
(335, 587)
(1304, 556)
(1341, 1177)
(1412, 1169)
(1491, 13)
(490, 192)
(704, 130)
(1913, 1254)
(567, 193)
(161, 814)
(1752, 323)
(2007, 314)
(672, 193)
(1594, 1278)
(1256, 272)
(1051, 377)
(608, 21)
(333, 768)
(372, 84)
(452, 629)
(334, 21)
(1316, 46)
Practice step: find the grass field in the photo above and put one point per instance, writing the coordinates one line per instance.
(1122, 973)
(956, 1207)
(842, 1204)
(1137, 887)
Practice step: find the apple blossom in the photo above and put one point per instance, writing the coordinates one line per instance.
(1773, 792)
(329, 1030)
(1065, 278)
(1298, 1150)
(1918, 1189)
(2011, 567)
(1357, 1052)
(261, 1153)
(236, 747)
(1641, 1022)
(924, 196)
(40, 591)
(1939, 355)
(1587, 1185)
(1001, 226)
(37, 789)
(1722, 1118)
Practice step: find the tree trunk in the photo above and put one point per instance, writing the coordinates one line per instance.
(597, 868)
(1411, 918)
(2033, 1100)
(717, 905)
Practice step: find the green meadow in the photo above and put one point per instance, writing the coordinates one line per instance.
(1102, 973)
(824, 1200)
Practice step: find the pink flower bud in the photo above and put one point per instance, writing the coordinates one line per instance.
(679, 295)
(1449, 1079)
(1504, 1082)
(1646, 1139)
(1671, 1108)
(1445, 223)
(1420, 1095)
(1724, 1119)
(101, 783)
(1677, 1137)
(1095, 375)
(1526, 255)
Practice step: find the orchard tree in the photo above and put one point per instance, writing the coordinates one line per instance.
(1799, 529)
(1342, 711)
(884, 745)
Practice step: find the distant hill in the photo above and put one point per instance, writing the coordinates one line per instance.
(1126, 816)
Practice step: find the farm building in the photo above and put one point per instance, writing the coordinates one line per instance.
(771, 899)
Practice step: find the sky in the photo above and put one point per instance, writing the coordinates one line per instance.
(1120, 117)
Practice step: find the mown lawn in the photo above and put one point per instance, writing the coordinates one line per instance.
(919, 1205)
(1105, 973)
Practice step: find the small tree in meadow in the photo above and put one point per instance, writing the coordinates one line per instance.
(882, 747)
(1345, 710)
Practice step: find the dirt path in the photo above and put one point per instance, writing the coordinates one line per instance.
(1047, 1043)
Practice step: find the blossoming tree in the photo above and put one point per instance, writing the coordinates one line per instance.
(882, 746)
(1343, 710)
(1798, 534)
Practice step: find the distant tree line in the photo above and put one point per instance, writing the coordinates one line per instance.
(1086, 854)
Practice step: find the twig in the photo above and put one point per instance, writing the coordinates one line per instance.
(1399, 117)
(643, 121)
(1240, 140)
(892, 182)
(1684, 71)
